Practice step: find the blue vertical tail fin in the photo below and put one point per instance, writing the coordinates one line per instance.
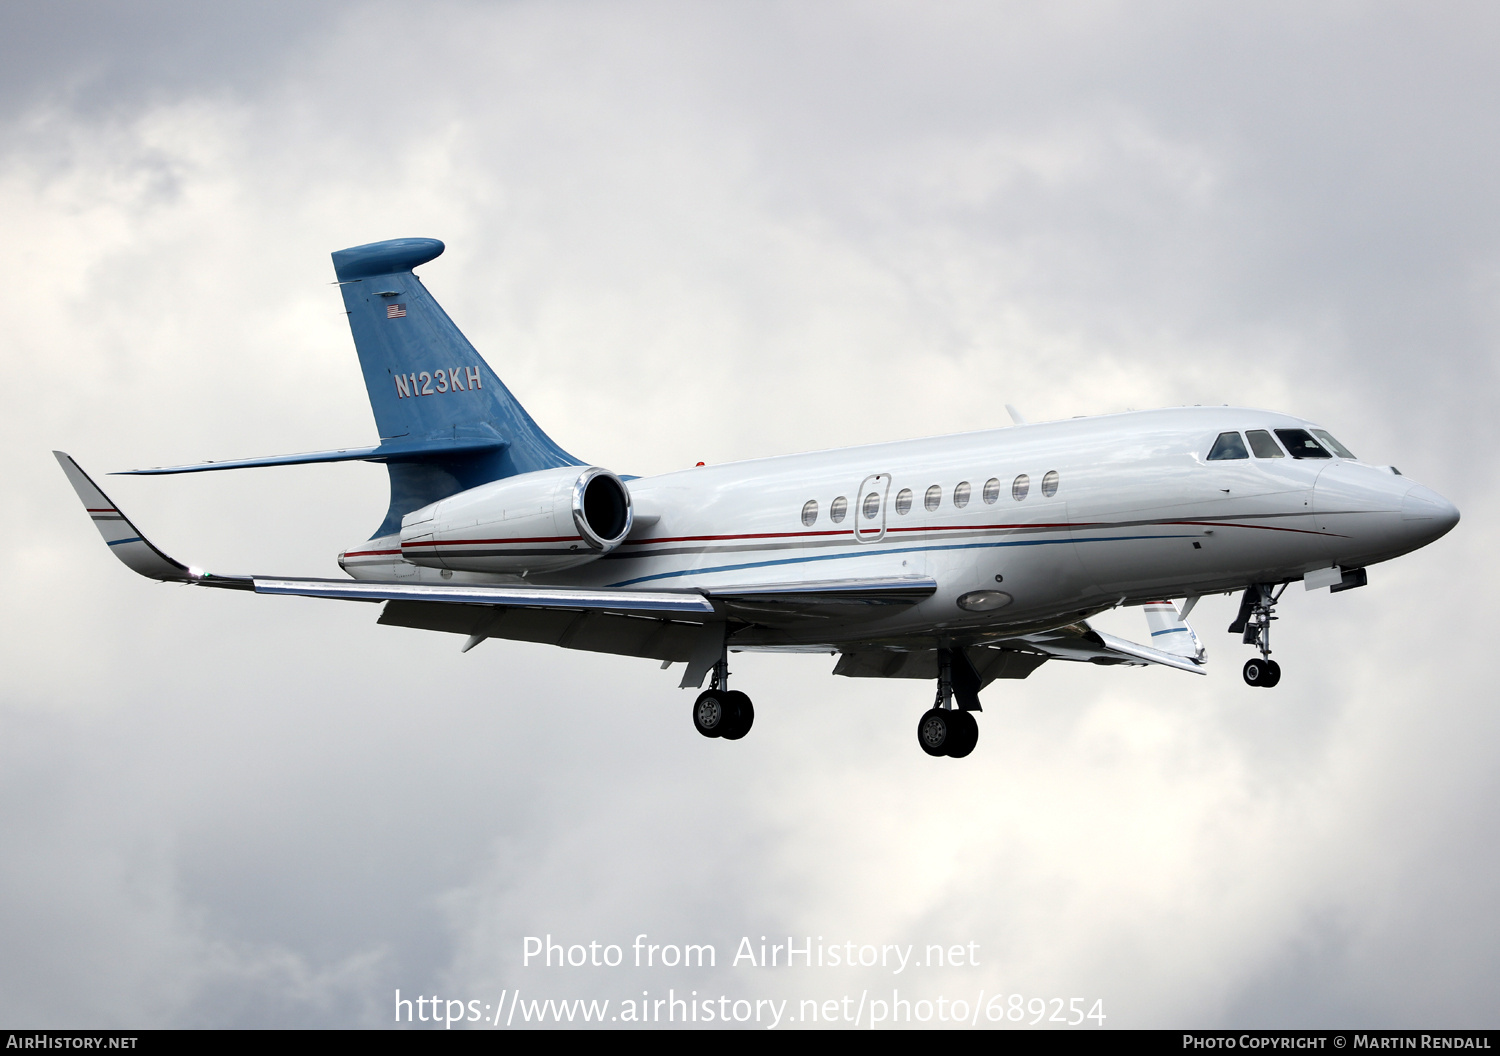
(447, 420)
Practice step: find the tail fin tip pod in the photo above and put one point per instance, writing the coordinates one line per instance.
(384, 258)
(429, 386)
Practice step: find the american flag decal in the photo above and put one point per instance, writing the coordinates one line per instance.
(395, 311)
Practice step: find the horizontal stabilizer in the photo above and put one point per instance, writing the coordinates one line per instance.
(390, 451)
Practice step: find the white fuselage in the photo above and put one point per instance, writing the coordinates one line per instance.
(1117, 508)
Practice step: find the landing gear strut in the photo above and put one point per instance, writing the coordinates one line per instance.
(1253, 624)
(720, 711)
(948, 727)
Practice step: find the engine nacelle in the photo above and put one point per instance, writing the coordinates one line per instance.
(534, 522)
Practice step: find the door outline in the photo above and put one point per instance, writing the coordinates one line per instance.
(861, 533)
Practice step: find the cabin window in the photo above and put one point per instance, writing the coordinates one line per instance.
(1300, 444)
(810, 512)
(903, 501)
(872, 505)
(1227, 446)
(1049, 483)
(1262, 444)
(991, 491)
(1019, 487)
(837, 508)
(961, 495)
(934, 497)
(1333, 445)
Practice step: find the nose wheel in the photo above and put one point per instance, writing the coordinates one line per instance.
(1264, 673)
(1257, 610)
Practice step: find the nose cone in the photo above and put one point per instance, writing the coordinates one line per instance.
(1371, 514)
(1426, 514)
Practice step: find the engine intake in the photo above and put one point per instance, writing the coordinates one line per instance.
(535, 522)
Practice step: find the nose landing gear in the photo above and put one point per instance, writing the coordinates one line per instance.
(1265, 673)
(1253, 624)
(948, 727)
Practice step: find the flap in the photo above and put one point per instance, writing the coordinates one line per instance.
(824, 599)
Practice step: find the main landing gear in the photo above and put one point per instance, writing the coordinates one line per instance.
(720, 711)
(948, 727)
(1253, 624)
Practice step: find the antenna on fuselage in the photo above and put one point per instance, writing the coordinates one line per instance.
(1015, 415)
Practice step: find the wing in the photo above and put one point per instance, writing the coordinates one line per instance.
(127, 543)
(138, 554)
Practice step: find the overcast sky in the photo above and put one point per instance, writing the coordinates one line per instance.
(703, 232)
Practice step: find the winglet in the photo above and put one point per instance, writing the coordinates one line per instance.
(126, 541)
(1170, 632)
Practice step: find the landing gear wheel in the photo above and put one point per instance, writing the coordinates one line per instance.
(935, 731)
(963, 735)
(1258, 672)
(712, 713)
(740, 715)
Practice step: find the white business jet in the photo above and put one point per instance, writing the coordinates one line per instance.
(956, 559)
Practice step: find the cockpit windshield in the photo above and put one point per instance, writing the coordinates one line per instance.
(1300, 444)
(1332, 444)
(1228, 445)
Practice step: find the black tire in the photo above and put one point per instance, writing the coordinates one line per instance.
(964, 735)
(1257, 672)
(935, 731)
(1273, 675)
(712, 713)
(741, 715)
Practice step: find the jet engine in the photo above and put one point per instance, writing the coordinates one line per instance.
(534, 522)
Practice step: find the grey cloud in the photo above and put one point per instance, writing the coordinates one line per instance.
(97, 57)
